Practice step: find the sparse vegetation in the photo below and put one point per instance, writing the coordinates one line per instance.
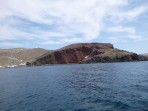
(19, 55)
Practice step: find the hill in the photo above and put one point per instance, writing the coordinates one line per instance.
(146, 54)
(87, 53)
(19, 55)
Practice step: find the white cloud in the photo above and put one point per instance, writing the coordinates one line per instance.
(129, 30)
(10, 44)
(124, 34)
(63, 41)
(135, 12)
(75, 20)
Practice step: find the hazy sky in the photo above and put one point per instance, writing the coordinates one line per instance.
(52, 24)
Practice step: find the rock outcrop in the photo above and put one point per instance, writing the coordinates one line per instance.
(86, 53)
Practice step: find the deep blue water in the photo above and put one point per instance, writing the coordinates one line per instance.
(85, 87)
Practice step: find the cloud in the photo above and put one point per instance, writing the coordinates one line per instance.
(135, 12)
(131, 14)
(64, 21)
(130, 32)
(10, 44)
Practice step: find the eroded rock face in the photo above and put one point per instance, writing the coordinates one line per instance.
(74, 53)
(66, 56)
(86, 53)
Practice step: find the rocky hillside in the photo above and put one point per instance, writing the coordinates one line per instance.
(146, 54)
(19, 55)
(87, 53)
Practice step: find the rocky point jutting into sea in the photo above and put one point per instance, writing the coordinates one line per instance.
(86, 53)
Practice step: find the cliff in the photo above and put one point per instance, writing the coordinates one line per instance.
(86, 53)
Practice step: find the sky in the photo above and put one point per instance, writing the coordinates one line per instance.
(52, 24)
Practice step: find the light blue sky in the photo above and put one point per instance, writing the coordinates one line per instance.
(52, 24)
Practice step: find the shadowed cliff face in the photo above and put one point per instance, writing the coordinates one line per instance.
(86, 53)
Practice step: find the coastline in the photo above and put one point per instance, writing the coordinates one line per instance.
(70, 64)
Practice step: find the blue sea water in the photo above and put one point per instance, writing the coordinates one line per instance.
(83, 87)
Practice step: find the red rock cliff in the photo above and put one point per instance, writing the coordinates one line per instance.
(74, 53)
(87, 53)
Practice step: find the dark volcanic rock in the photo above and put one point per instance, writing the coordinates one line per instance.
(87, 53)
(111, 58)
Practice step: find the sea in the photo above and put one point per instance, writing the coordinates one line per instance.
(78, 87)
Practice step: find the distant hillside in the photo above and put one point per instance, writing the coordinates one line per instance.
(87, 53)
(19, 55)
(74, 53)
(146, 54)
